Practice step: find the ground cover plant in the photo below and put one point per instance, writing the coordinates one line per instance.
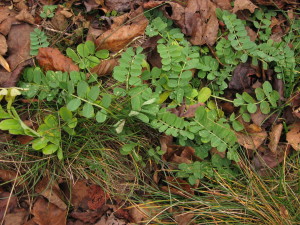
(151, 113)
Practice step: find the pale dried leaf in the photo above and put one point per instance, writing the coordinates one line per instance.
(243, 4)
(275, 136)
(4, 63)
(184, 218)
(25, 16)
(293, 136)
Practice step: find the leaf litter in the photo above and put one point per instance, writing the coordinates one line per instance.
(198, 21)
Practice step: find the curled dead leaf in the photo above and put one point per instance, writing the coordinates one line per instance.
(293, 136)
(53, 59)
(4, 63)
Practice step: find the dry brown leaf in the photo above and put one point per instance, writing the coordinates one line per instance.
(165, 141)
(7, 18)
(258, 117)
(251, 141)
(293, 136)
(178, 186)
(275, 136)
(18, 217)
(268, 159)
(5, 199)
(80, 195)
(53, 59)
(90, 216)
(243, 4)
(105, 67)
(59, 21)
(121, 5)
(3, 45)
(251, 33)
(46, 213)
(25, 16)
(119, 35)
(19, 57)
(223, 4)
(8, 175)
(4, 63)
(184, 218)
(179, 154)
(51, 191)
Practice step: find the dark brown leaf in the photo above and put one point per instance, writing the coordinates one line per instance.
(3, 45)
(241, 79)
(121, 5)
(5, 199)
(97, 197)
(7, 18)
(53, 59)
(18, 217)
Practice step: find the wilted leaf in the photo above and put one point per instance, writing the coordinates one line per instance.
(120, 34)
(275, 136)
(105, 67)
(251, 140)
(244, 4)
(46, 213)
(53, 59)
(4, 200)
(293, 136)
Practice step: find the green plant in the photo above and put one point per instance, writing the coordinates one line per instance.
(86, 56)
(38, 39)
(266, 99)
(48, 11)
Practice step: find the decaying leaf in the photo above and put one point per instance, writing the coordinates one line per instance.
(53, 59)
(105, 67)
(25, 16)
(293, 136)
(120, 34)
(46, 213)
(121, 5)
(7, 18)
(275, 136)
(79, 195)
(52, 192)
(165, 141)
(251, 140)
(243, 4)
(8, 175)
